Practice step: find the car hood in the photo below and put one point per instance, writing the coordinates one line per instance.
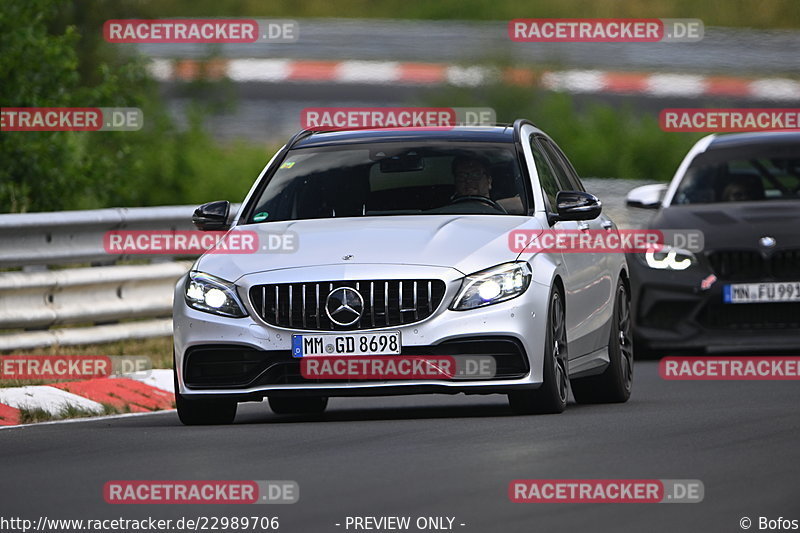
(736, 226)
(468, 243)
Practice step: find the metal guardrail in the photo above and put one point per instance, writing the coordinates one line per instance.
(81, 295)
(34, 299)
(70, 237)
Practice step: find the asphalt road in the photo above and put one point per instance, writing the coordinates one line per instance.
(438, 456)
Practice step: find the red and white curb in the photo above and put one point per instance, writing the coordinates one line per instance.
(407, 73)
(135, 393)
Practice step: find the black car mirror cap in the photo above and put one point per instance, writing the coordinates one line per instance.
(212, 216)
(576, 205)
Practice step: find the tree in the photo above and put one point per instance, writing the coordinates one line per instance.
(41, 67)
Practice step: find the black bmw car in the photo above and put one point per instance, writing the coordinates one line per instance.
(742, 292)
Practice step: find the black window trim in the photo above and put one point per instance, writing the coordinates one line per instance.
(534, 137)
(566, 165)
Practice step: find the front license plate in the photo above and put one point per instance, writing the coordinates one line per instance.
(347, 344)
(748, 293)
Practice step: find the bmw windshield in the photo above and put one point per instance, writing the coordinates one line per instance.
(743, 174)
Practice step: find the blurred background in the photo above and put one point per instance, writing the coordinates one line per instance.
(214, 114)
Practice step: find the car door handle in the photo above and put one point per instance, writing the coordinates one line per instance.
(607, 224)
(583, 226)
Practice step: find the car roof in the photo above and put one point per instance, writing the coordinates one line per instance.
(492, 134)
(733, 140)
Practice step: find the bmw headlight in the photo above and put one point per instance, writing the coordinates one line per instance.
(493, 285)
(668, 258)
(212, 295)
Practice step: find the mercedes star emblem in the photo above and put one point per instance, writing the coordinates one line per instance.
(344, 306)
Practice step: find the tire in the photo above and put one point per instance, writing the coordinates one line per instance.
(203, 412)
(613, 385)
(551, 396)
(304, 405)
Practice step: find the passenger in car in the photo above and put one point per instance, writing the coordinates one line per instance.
(743, 189)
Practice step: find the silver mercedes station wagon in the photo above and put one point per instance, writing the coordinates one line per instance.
(400, 246)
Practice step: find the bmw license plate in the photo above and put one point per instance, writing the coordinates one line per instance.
(387, 343)
(747, 293)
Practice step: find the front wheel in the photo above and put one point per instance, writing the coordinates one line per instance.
(613, 385)
(203, 412)
(551, 396)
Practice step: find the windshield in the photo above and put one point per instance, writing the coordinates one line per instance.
(742, 175)
(393, 179)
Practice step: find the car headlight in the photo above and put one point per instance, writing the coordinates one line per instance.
(212, 295)
(493, 285)
(668, 258)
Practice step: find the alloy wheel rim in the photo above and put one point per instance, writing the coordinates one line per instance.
(558, 333)
(624, 338)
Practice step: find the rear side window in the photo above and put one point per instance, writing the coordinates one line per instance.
(564, 170)
(547, 177)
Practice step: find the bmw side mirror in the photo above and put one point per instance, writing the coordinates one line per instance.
(647, 196)
(577, 205)
(212, 216)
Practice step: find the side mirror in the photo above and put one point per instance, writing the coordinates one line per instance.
(647, 196)
(577, 205)
(212, 216)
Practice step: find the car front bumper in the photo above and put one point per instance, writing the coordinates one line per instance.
(675, 313)
(258, 355)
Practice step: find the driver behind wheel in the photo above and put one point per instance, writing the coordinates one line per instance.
(471, 177)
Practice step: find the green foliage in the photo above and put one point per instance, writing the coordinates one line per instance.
(46, 63)
(189, 167)
(37, 70)
(600, 140)
(53, 55)
(606, 142)
(52, 170)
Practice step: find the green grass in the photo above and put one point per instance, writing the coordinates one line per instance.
(158, 349)
(68, 411)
